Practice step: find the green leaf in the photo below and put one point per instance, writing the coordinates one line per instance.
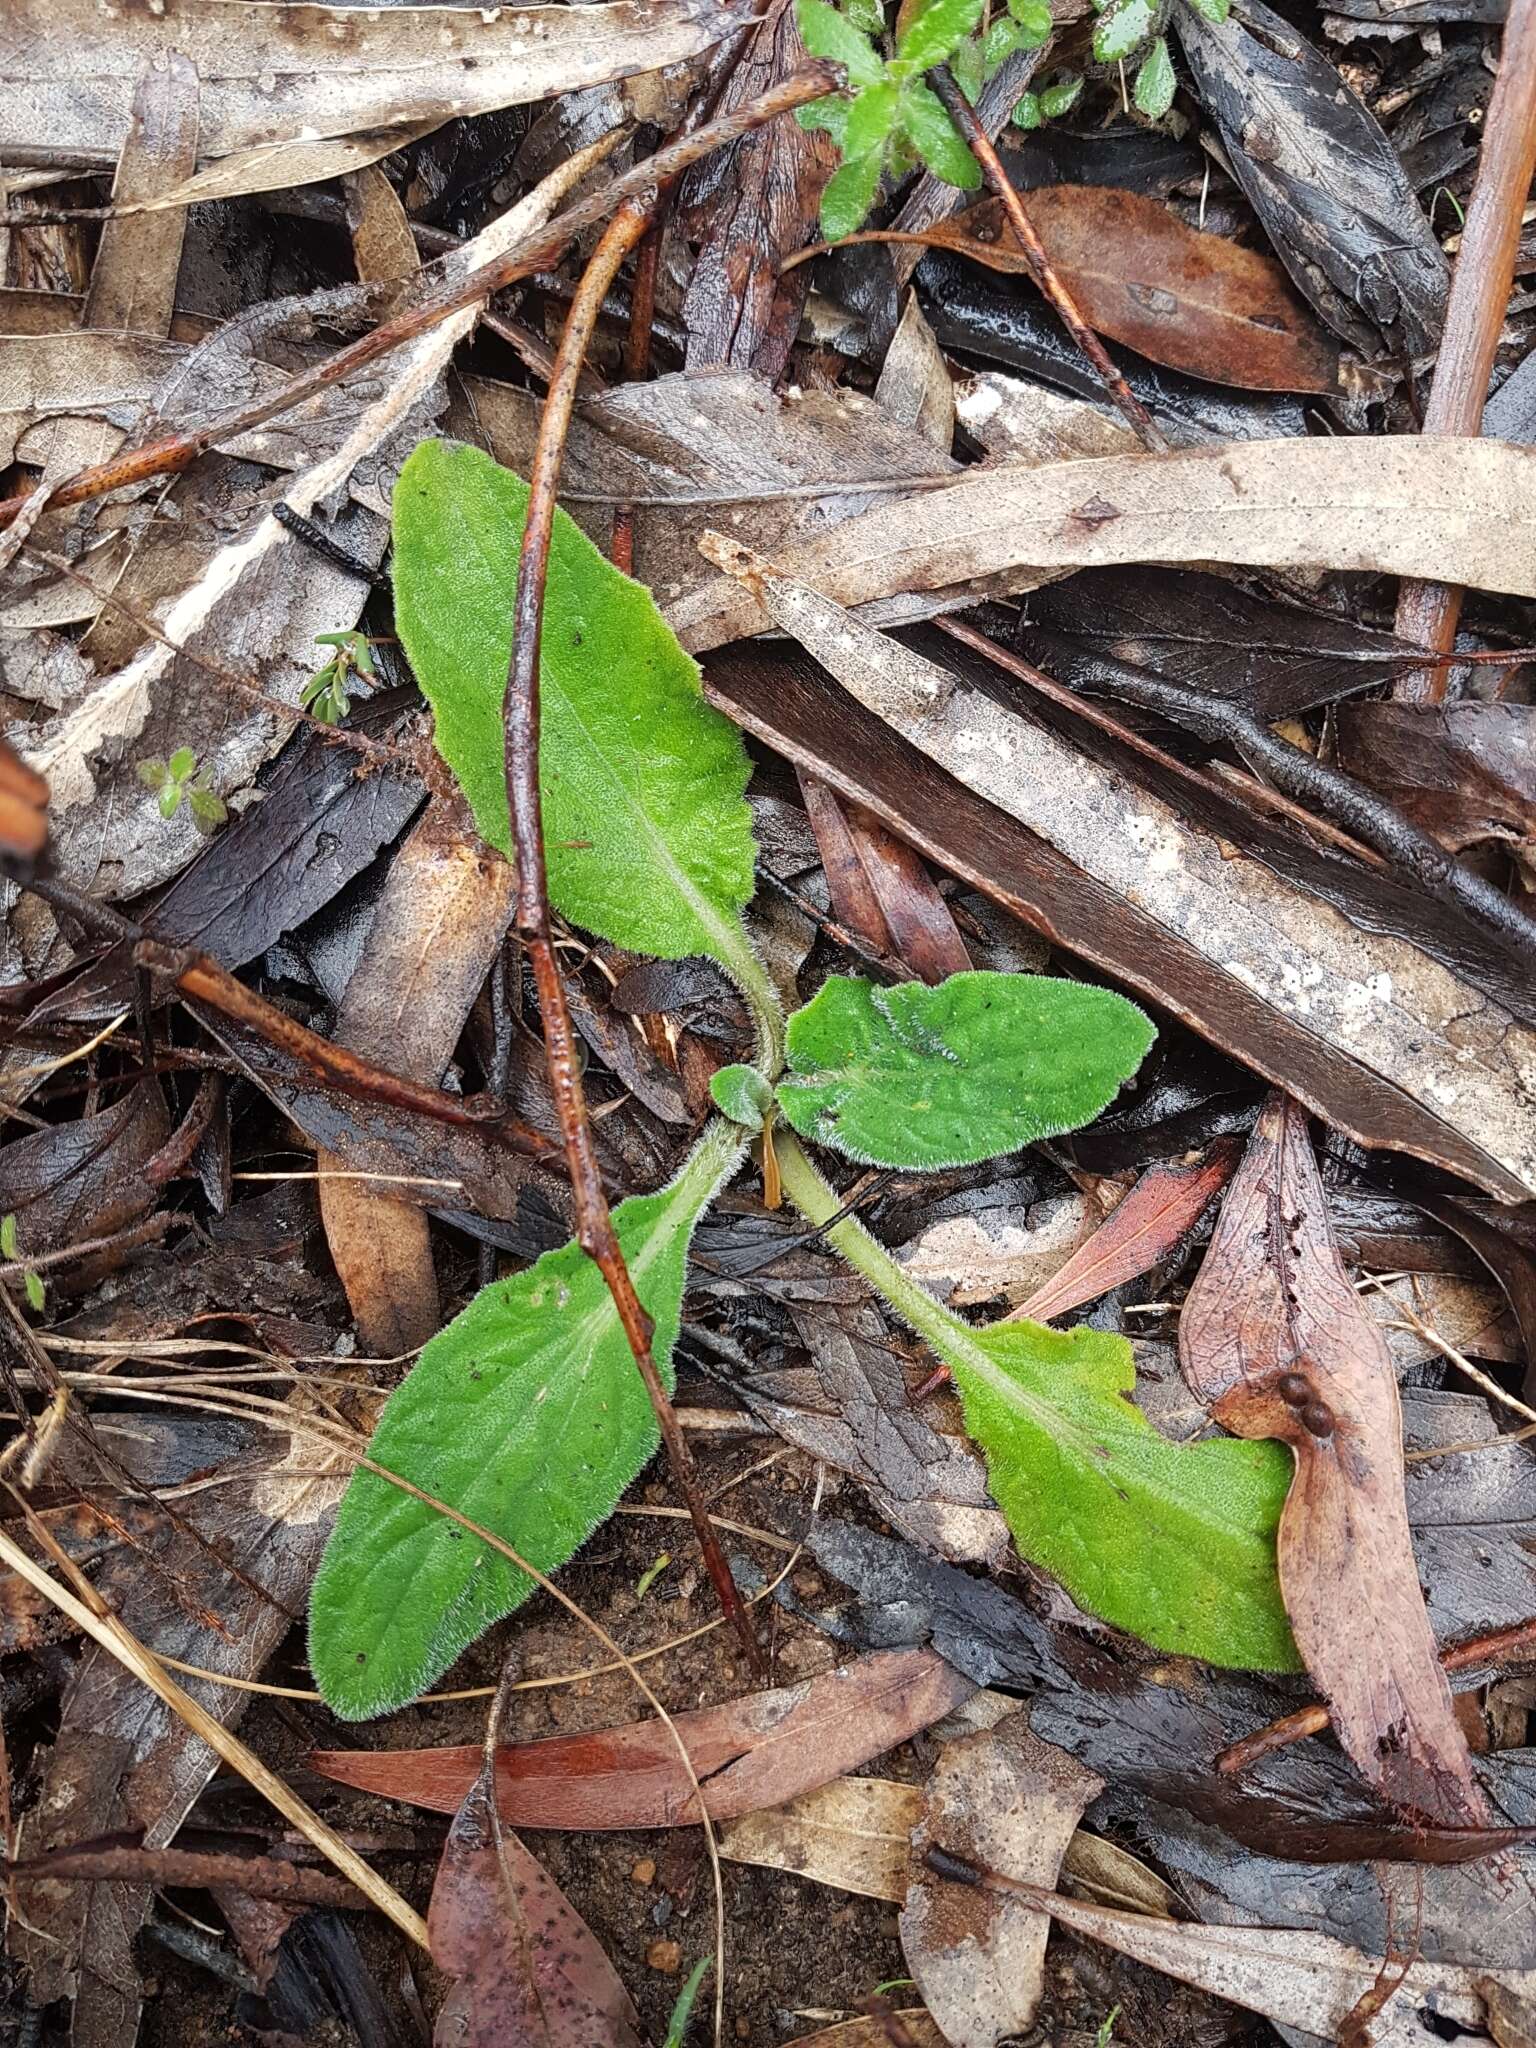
(208, 812)
(8, 1233)
(32, 1286)
(1034, 18)
(849, 195)
(967, 69)
(870, 118)
(647, 830)
(743, 1095)
(999, 42)
(182, 763)
(826, 33)
(1027, 113)
(153, 773)
(1213, 10)
(170, 799)
(1122, 28)
(867, 15)
(829, 114)
(527, 1415)
(1175, 1542)
(1155, 82)
(1060, 98)
(677, 2026)
(935, 30)
(929, 1077)
(927, 126)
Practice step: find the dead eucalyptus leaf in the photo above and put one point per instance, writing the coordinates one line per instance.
(1400, 505)
(1275, 1340)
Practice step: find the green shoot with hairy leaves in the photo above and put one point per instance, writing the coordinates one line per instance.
(525, 1413)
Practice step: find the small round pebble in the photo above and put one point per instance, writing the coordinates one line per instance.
(664, 1956)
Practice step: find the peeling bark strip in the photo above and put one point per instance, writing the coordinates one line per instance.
(1465, 1064)
(269, 75)
(1465, 510)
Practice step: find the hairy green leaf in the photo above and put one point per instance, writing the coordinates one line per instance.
(1175, 1542)
(1060, 98)
(927, 1077)
(1155, 82)
(647, 830)
(871, 117)
(934, 31)
(826, 33)
(1122, 28)
(1027, 113)
(927, 126)
(1034, 17)
(1213, 10)
(830, 114)
(743, 1095)
(528, 1416)
(850, 194)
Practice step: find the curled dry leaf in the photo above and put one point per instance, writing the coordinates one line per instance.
(276, 85)
(1196, 302)
(757, 1751)
(1275, 1339)
(438, 927)
(1006, 1800)
(526, 1966)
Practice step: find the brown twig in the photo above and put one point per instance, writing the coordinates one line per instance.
(964, 116)
(637, 360)
(1492, 1648)
(1485, 269)
(594, 1225)
(71, 1254)
(174, 452)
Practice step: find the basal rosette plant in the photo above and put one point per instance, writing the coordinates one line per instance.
(526, 1414)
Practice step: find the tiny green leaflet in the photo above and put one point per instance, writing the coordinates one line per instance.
(930, 1077)
(527, 1415)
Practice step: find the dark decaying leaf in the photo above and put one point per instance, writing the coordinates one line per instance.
(1322, 177)
(1464, 772)
(1275, 1339)
(1146, 1226)
(1194, 302)
(525, 1965)
(757, 1751)
(880, 888)
(86, 1178)
(1272, 655)
(1007, 1801)
(983, 315)
(750, 206)
(1504, 1239)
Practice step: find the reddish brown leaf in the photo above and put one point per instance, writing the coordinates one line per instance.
(1143, 1227)
(880, 887)
(752, 1752)
(1196, 302)
(1275, 1339)
(528, 1969)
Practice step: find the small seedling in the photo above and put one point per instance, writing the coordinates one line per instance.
(677, 2026)
(328, 693)
(179, 781)
(526, 1414)
(1133, 32)
(31, 1282)
(1106, 2032)
(651, 1574)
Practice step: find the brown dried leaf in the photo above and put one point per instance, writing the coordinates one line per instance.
(880, 888)
(1395, 504)
(438, 927)
(757, 1751)
(1199, 303)
(527, 1967)
(1009, 1802)
(1274, 1339)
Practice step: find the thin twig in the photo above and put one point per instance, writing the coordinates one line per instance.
(594, 1226)
(172, 453)
(993, 169)
(71, 1254)
(1492, 1648)
(1485, 269)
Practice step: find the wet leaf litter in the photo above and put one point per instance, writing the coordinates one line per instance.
(765, 838)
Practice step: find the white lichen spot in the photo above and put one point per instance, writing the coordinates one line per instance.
(976, 403)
